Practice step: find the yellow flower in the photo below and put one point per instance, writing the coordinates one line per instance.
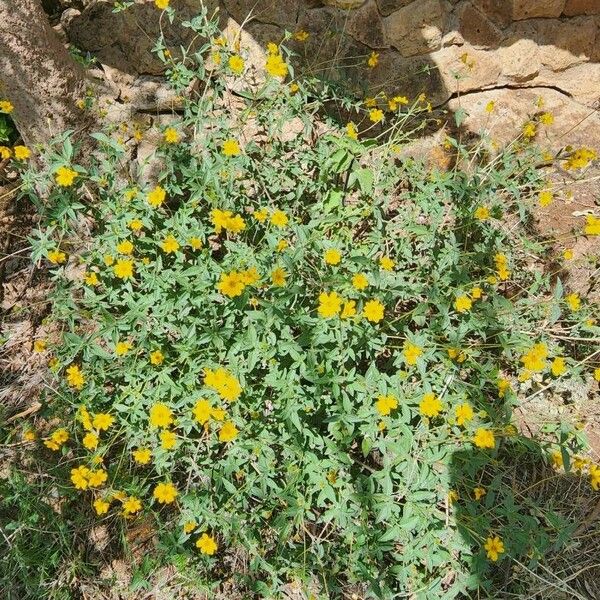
(546, 118)
(22, 152)
(39, 345)
(156, 358)
(250, 276)
(479, 493)
(6, 106)
(457, 354)
(102, 421)
(65, 176)
(529, 130)
(202, 411)
(568, 254)
(206, 544)
(503, 387)
(261, 215)
(29, 436)
(91, 278)
(482, 213)
(122, 348)
(545, 198)
(494, 547)
(352, 131)
(489, 107)
(276, 66)
(349, 309)
(333, 256)
(597, 374)
(79, 477)
(195, 243)
(535, 358)
(56, 257)
(224, 383)
(557, 459)
(125, 247)
(90, 441)
(375, 115)
(329, 304)
(281, 245)
(592, 225)
(573, 301)
(279, 218)
(162, 4)
(463, 304)
(169, 245)
(132, 504)
(430, 405)
(231, 147)
(231, 284)
(464, 413)
(108, 260)
(386, 404)
(5, 152)
(171, 135)
(160, 415)
(278, 277)
(142, 456)
(135, 225)
(373, 60)
(558, 366)
(476, 293)
(396, 101)
(386, 263)
(123, 269)
(301, 35)
(156, 196)
(75, 377)
(360, 281)
(165, 493)
(484, 438)
(101, 506)
(189, 526)
(97, 478)
(373, 311)
(236, 64)
(168, 440)
(411, 353)
(228, 432)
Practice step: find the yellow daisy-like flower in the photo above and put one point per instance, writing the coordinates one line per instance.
(142, 456)
(352, 131)
(301, 35)
(546, 118)
(330, 305)
(156, 196)
(202, 411)
(101, 506)
(558, 366)
(373, 60)
(231, 147)
(123, 269)
(479, 493)
(97, 478)
(545, 198)
(279, 218)
(494, 547)
(102, 421)
(125, 247)
(91, 278)
(464, 413)
(195, 243)
(349, 309)
(65, 176)
(463, 304)
(592, 225)
(206, 544)
(79, 477)
(482, 213)
(386, 404)
(568, 254)
(430, 406)
(165, 493)
(75, 377)
(275, 65)
(56, 257)
(375, 115)
(131, 505)
(156, 358)
(228, 432)
(373, 311)
(160, 415)
(189, 526)
(278, 277)
(489, 107)
(171, 135)
(22, 152)
(162, 4)
(170, 244)
(231, 284)
(484, 438)
(135, 225)
(39, 345)
(529, 130)
(236, 64)
(360, 281)
(6, 107)
(122, 348)
(168, 440)
(573, 301)
(411, 353)
(386, 263)
(90, 441)
(332, 256)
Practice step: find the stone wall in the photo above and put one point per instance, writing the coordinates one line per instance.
(440, 47)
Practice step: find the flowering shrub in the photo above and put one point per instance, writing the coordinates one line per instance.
(301, 347)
